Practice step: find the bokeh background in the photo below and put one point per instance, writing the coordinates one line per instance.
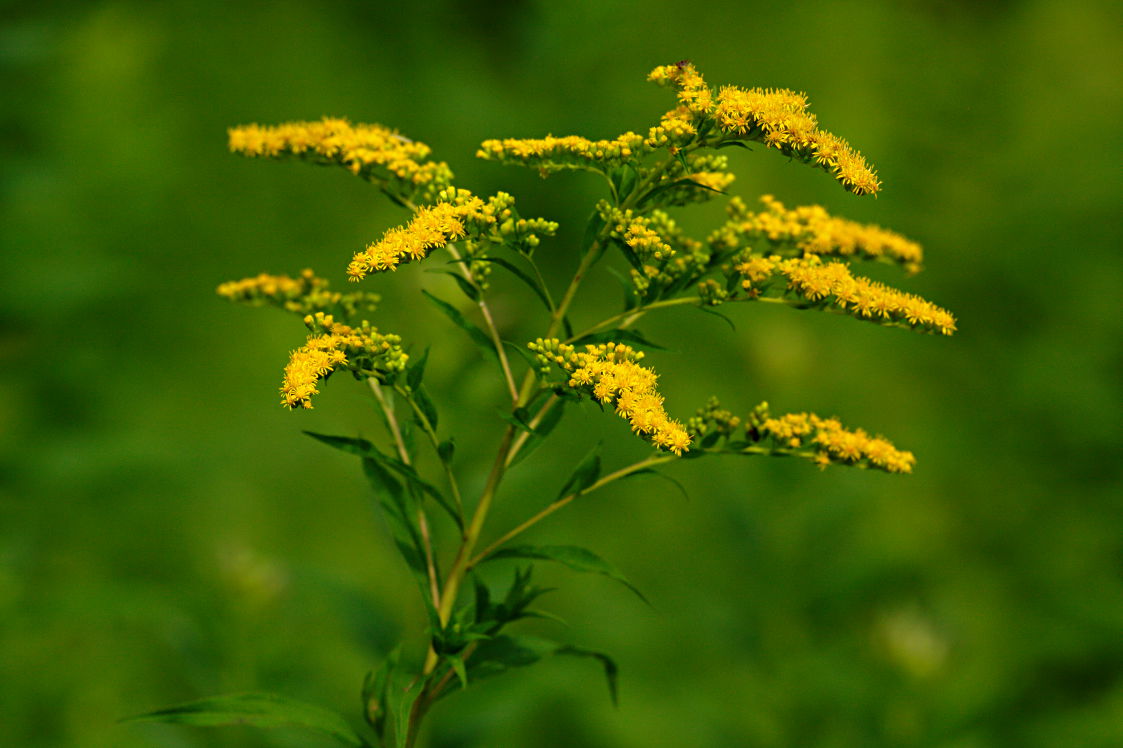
(167, 533)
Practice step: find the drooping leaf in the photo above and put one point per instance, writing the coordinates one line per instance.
(399, 515)
(610, 668)
(348, 444)
(478, 336)
(257, 710)
(664, 476)
(525, 277)
(466, 286)
(660, 189)
(502, 653)
(526, 354)
(416, 481)
(719, 315)
(585, 474)
(575, 557)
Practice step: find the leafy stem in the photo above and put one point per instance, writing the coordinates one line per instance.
(422, 519)
(430, 432)
(556, 505)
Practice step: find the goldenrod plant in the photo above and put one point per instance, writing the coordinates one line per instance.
(800, 257)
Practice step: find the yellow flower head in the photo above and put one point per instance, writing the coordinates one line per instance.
(372, 151)
(812, 279)
(810, 230)
(837, 444)
(303, 295)
(611, 374)
(333, 345)
(569, 152)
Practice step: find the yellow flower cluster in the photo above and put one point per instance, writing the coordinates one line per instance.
(430, 228)
(837, 444)
(610, 372)
(776, 117)
(359, 147)
(657, 249)
(302, 295)
(693, 93)
(810, 229)
(860, 297)
(675, 127)
(307, 365)
(779, 119)
(570, 152)
(328, 348)
(458, 214)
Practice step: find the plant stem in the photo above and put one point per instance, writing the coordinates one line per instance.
(621, 473)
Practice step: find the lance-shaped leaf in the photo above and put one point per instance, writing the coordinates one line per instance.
(257, 710)
(533, 283)
(498, 655)
(478, 336)
(365, 449)
(584, 475)
(575, 557)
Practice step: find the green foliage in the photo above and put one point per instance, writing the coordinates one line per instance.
(575, 557)
(257, 710)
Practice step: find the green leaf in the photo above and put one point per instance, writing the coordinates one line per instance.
(403, 709)
(719, 315)
(502, 653)
(416, 481)
(592, 231)
(478, 336)
(457, 663)
(470, 289)
(347, 444)
(623, 181)
(417, 370)
(683, 182)
(399, 514)
(256, 710)
(525, 277)
(610, 668)
(575, 557)
(548, 423)
(425, 405)
(376, 690)
(585, 475)
(664, 476)
(527, 356)
(732, 144)
(631, 299)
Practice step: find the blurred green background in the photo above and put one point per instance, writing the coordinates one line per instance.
(167, 533)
